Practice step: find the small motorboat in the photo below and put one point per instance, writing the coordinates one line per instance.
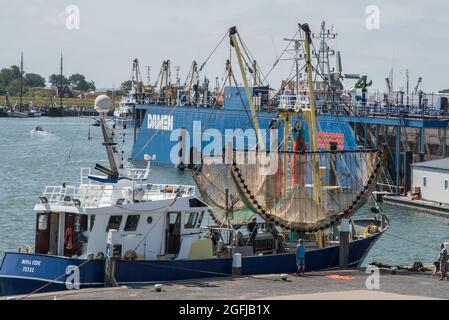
(39, 128)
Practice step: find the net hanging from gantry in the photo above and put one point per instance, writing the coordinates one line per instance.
(282, 186)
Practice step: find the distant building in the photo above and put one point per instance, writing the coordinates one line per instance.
(91, 95)
(64, 92)
(433, 179)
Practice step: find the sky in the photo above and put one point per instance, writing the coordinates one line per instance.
(411, 34)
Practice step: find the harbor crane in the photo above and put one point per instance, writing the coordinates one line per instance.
(415, 91)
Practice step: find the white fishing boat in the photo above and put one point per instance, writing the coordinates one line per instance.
(123, 116)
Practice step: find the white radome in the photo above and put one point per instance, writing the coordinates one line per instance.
(103, 104)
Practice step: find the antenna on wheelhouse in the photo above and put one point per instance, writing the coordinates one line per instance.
(103, 106)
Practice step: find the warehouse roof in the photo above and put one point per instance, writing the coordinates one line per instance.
(441, 164)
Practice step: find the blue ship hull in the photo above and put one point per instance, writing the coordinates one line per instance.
(22, 273)
(158, 122)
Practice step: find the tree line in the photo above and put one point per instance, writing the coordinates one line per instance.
(32, 82)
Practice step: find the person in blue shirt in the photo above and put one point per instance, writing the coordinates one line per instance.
(300, 257)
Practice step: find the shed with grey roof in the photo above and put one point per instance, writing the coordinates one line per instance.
(433, 179)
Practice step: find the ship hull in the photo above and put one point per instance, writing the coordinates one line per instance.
(52, 273)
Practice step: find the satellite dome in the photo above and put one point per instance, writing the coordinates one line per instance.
(103, 104)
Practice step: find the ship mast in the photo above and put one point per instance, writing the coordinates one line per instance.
(297, 46)
(60, 84)
(310, 115)
(234, 42)
(325, 51)
(21, 78)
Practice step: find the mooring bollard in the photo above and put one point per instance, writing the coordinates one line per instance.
(109, 277)
(237, 263)
(344, 242)
(158, 287)
(284, 277)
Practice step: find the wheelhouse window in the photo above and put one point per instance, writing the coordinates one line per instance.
(114, 223)
(200, 219)
(43, 222)
(190, 219)
(131, 222)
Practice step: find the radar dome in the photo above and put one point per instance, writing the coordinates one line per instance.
(103, 104)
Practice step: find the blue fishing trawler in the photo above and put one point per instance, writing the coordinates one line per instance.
(193, 107)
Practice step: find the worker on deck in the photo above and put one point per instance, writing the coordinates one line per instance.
(252, 229)
(300, 257)
(443, 258)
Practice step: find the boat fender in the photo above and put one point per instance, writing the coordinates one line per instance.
(370, 229)
(100, 255)
(130, 255)
(324, 240)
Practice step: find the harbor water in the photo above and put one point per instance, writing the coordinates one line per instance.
(30, 160)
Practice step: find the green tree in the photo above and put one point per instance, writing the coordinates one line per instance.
(10, 80)
(78, 82)
(91, 86)
(55, 80)
(34, 80)
(126, 86)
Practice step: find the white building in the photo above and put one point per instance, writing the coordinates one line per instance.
(433, 179)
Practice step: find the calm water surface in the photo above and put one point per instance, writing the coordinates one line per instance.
(30, 161)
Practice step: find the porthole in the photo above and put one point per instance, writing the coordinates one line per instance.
(150, 220)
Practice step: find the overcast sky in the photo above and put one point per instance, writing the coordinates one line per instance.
(413, 35)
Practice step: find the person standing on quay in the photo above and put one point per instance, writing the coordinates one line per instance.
(300, 257)
(443, 257)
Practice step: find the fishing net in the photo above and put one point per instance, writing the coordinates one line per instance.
(306, 191)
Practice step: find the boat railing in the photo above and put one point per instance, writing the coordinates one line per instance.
(138, 174)
(84, 175)
(94, 195)
(373, 104)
